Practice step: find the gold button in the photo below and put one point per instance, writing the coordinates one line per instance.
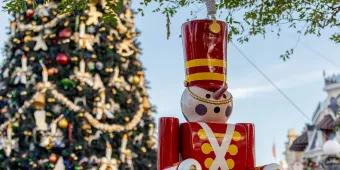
(215, 27)
(208, 162)
(230, 163)
(233, 149)
(201, 134)
(236, 136)
(206, 148)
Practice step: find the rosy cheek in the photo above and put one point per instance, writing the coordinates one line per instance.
(201, 110)
(228, 111)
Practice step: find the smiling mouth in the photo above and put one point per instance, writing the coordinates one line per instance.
(215, 102)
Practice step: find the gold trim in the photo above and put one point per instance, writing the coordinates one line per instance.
(205, 62)
(226, 101)
(215, 27)
(205, 76)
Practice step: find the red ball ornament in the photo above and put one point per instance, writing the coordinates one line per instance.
(62, 59)
(29, 13)
(65, 33)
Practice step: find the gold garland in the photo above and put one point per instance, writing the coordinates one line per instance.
(116, 127)
(52, 23)
(45, 86)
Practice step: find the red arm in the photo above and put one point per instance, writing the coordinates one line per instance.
(168, 142)
(250, 144)
(251, 151)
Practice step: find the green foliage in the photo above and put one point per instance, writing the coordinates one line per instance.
(111, 11)
(287, 54)
(246, 18)
(15, 6)
(249, 18)
(336, 38)
(110, 16)
(70, 6)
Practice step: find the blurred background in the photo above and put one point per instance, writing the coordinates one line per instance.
(301, 78)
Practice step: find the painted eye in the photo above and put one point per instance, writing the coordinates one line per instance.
(228, 111)
(224, 96)
(201, 109)
(217, 109)
(207, 96)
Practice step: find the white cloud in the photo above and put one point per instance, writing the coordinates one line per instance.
(284, 83)
(244, 92)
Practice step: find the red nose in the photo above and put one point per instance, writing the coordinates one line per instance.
(217, 94)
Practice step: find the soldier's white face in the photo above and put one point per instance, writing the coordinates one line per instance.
(199, 105)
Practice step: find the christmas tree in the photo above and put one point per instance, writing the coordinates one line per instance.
(72, 92)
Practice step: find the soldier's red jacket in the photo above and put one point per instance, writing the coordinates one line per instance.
(192, 140)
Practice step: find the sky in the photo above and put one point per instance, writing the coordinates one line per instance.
(255, 100)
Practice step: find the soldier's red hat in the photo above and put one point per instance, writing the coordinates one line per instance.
(204, 49)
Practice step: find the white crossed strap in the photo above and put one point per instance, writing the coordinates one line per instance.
(219, 150)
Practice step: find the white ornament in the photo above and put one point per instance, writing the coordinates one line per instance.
(78, 100)
(84, 40)
(47, 31)
(41, 11)
(54, 137)
(97, 39)
(199, 105)
(122, 29)
(7, 143)
(5, 74)
(56, 108)
(93, 15)
(123, 150)
(40, 119)
(126, 48)
(113, 106)
(13, 28)
(82, 75)
(101, 108)
(93, 137)
(108, 162)
(98, 83)
(40, 43)
(101, 105)
(138, 139)
(60, 164)
(21, 73)
(119, 81)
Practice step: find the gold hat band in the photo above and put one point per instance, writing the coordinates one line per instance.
(205, 76)
(205, 62)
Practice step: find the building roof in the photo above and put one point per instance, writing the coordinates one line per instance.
(334, 79)
(327, 123)
(300, 143)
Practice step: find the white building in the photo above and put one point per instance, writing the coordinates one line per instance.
(323, 128)
(293, 159)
